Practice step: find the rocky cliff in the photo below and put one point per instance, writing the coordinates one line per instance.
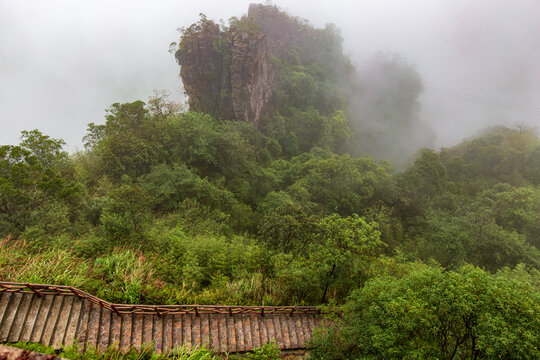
(231, 72)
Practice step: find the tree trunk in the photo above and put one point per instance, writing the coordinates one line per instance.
(323, 300)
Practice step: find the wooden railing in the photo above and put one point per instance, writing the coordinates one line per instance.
(43, 289)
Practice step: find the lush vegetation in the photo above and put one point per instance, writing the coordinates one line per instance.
(183, 208)
(269, 351)
(437, 260)
(429, 313)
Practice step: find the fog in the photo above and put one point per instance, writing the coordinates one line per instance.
(62, 63)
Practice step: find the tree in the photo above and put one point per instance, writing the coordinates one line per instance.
(161, 106)
(472, 235)
(124, 212)
(420, 183)
(94, 135)
(286, 225)
(169, 186)
(435, 314)
(340, 184)
(37, 188)
(386, 107)
(47, 151)
(341, 251)
(129, 142)
(17, 169)
(496, 155)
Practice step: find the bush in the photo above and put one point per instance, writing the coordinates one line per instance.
(111, 353)
(435, 314)
(269, 351)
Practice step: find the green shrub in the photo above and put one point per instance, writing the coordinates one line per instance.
(435, 314)
(269, 351)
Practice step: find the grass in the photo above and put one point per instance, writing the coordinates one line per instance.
(133, 276)
(146, 353)
(268, 351)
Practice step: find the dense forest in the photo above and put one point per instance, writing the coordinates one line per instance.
(291, 178)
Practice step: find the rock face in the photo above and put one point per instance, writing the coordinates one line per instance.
(231, 73)
(251, 75)
(202, 67)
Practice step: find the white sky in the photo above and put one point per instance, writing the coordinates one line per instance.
(62, 63)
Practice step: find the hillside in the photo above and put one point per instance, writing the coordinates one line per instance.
(269, 190)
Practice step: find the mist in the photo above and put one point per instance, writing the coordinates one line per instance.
(63, 63)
